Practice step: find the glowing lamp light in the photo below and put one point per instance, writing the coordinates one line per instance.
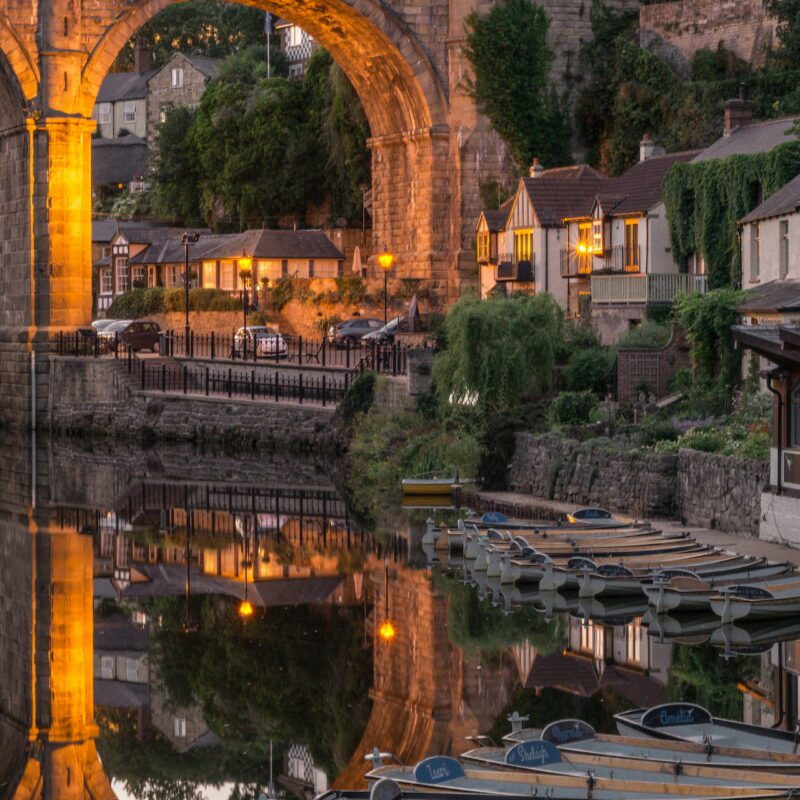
(246, 609)
(571, 519)
(583, 249)
(387, 631)
(385, 261)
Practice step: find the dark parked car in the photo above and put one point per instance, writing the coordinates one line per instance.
(137, 335)
(352, 330)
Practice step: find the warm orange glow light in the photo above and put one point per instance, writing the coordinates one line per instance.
(245, 263)
(385, 261)
(583, 249)
(246, 609)
(387, 631)
(571, 519)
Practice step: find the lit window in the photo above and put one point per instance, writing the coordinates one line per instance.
(631, 245)
(482, 246)
(584, 248)
(784, 245)
(634, 642)
(106, 283)
(523, 245)
(129, 111)
(163, 112)
(755, 251)
(294, 36)
(177, 77)
(226, 276)
(138, 277)
(210, 274)
(597, 236)
(179, 727)
(104, 113)
(151, 277)
(122, 275)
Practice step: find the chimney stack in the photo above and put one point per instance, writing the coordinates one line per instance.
(142, 58)
(739, 112)
(536, 170)
(648, 148)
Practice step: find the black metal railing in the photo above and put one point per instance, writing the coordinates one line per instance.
(388, 359)
(298, 351)
(252, 384)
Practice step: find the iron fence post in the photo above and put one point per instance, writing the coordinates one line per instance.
(347, 354)
(300, 387)
(230, 381)
(252, 384)
(300, 351)
(324, 340)
(185, 378)
(207, 376)
(116, 345)
(213, 349)
(163, 377)
(277, 389)
(324, 390)
(144, 379)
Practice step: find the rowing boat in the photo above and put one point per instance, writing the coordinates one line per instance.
(755, 601)
(576, 737)
(449, 774)
(671, 592)
(692, 723)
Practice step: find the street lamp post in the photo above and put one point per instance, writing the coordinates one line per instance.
(186, 240)
(244, 275)
(385, 262)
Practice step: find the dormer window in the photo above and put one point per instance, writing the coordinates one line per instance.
(597, 236)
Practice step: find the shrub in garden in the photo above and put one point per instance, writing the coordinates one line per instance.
(572, 408)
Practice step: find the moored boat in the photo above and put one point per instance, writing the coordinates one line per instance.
(754, 601)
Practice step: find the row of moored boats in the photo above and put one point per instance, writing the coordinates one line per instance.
(605, 558)
(670, 750)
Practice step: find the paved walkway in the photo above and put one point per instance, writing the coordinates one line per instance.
(539, 507)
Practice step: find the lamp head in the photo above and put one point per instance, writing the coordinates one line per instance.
(246, 609)
(387, 631)
(385, 260)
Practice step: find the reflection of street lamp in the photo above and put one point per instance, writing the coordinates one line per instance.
(246, 607)
(245, 273)
(186, 240)
(188, 625)
(385, 262)
(386, 631)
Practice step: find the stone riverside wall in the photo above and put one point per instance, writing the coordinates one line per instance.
(702, 489)
(98, 398)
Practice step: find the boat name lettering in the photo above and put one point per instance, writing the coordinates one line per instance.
(438, 769)
(532, 753)
(570, 730)
(615, 571)
(667, 716)
(752, 593)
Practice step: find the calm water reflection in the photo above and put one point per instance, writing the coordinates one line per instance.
(129, 669)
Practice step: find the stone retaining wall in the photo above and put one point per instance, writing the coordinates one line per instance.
(702, 489)
(97, 397)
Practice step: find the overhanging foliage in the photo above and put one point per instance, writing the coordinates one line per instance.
(706, 200)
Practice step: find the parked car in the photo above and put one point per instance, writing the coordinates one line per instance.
(269, 343)
(135, 334)
(101, 324)
(385, 334)
(352, 330)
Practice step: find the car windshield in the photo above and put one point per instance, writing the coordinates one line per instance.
(118, 327)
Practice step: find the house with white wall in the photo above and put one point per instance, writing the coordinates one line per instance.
(618, 253)
(530, 230)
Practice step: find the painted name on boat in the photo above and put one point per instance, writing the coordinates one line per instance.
(533, 753)
(438, 769)
(569, 730)
(672, 714)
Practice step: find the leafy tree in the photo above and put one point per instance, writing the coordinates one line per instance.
(199, 27)
(511, 61)
(176, 169)
(787, 12)
(498, 350)
(592, 369)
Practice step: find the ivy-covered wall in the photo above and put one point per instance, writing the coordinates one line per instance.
(706, 200)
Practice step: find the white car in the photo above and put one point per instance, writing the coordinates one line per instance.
(384, 335)
(269, 343)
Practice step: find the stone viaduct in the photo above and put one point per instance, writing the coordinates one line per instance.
(430, 147)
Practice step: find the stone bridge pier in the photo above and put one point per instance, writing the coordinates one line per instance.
(430, 149)
(47, 728)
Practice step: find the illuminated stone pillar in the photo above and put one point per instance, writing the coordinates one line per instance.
(411, 202)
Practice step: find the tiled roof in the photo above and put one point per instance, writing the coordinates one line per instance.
(496, 220)
(639, 189)
(208, 66)
(564, 193)
(566, 671)
(266, 244)
(785, 201)
(635, 686)
(119, 86)
(757, 137)
(118, 160)
(120, 694)
(136, 231)
(772, 296)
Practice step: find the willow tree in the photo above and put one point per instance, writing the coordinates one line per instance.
(498, 351)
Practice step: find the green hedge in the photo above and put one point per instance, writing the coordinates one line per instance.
(139, 303)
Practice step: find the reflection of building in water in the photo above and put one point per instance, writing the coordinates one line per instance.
(302, 776)
(598, 657)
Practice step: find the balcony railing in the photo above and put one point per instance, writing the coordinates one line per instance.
(613, 259)
(641, 288)
(509, 269)
(573, 263)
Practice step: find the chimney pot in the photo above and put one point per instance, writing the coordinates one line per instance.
(142, 58)
(648, 148)
(738, 112)
(536, 169)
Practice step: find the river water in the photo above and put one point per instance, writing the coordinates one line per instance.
(129, 661)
